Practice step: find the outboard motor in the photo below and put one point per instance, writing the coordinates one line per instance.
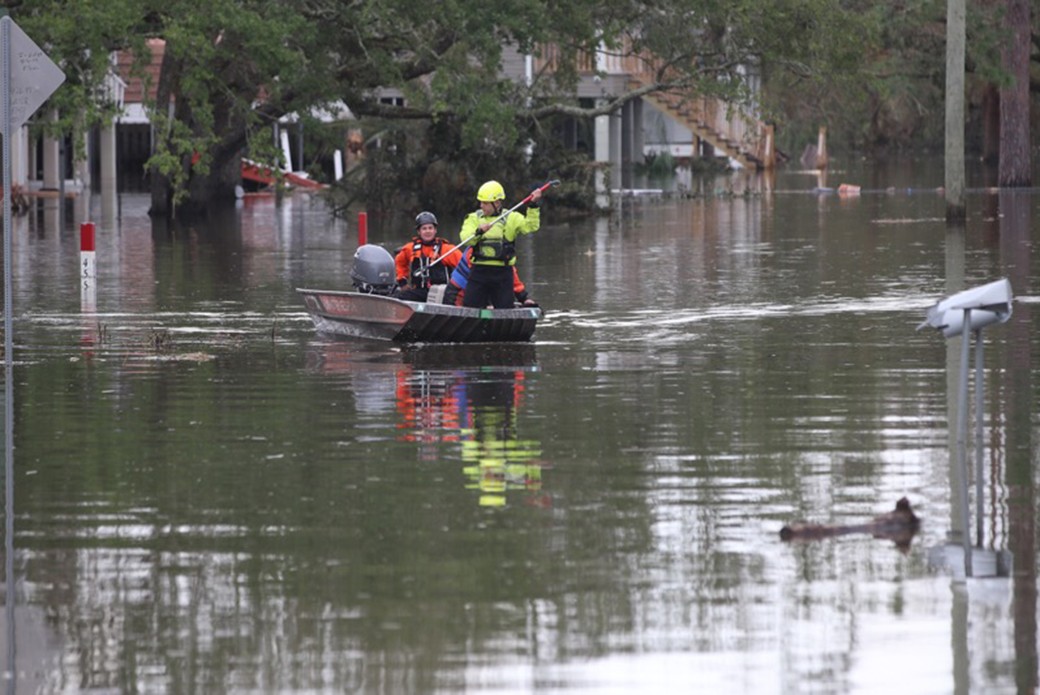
(374, 271)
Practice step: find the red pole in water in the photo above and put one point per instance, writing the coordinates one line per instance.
(86, 236)
(362, 228)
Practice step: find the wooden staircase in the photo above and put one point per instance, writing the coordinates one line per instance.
(741, 137)
(724, 126)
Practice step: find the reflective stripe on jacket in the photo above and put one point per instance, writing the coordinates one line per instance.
(410, 258)
(500, 236)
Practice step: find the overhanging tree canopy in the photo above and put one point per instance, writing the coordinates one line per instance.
(232, 67)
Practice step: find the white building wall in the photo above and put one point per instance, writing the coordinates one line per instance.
(664, 134)
(513, 64)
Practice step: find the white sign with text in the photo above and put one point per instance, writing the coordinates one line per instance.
(34, 76)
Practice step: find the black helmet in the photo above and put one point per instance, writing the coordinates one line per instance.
(374, 270)
(425, 218)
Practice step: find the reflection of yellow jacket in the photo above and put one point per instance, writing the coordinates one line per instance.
(499, 452)
(500, 466)
(495, 246)
(497, 461)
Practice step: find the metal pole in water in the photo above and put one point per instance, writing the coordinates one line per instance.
(5, 37)
(61, 183)
(5, 132)
(979, 395)
(962, 455)
(36, 79)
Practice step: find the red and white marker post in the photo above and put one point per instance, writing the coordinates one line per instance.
(87, 267)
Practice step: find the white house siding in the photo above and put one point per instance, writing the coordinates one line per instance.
(664, 134)
(513, 63)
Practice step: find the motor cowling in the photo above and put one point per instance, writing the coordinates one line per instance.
(374, 271)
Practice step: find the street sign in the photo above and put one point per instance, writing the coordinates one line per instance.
(27, 78)
(34, 76)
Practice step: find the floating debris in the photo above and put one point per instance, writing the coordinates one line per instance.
(909, 220)
(160, 340)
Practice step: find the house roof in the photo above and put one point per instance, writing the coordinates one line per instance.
(135, 85)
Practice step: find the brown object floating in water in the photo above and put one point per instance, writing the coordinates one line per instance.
(899, 526)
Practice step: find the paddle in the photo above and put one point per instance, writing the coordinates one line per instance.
(498, 219)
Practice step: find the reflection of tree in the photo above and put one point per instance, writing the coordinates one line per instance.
(1017, 395)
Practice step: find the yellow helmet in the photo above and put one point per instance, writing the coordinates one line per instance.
(490, 192)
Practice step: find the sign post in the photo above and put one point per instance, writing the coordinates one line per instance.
(959, 315)
(27, 78)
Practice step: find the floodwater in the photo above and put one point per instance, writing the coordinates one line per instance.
(210, 497)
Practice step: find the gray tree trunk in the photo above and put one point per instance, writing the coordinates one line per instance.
(955, 28)
(991, 125)
(1015, 170)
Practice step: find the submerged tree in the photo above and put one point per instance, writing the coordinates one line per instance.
(897, 98)
(1015, 145)
(232, 68)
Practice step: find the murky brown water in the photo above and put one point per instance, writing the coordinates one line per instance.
(256, 508)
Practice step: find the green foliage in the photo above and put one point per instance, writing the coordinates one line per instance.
(235, 66)
(77, 36)
(427, 165)
(888, 89)
(261, 148)
(660, 165)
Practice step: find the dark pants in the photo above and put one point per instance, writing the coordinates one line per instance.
(489, 284)
(412, 294)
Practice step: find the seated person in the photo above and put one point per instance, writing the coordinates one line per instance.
(460, 278)
(416, 270)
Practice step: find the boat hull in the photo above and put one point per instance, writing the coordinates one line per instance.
(374, 317)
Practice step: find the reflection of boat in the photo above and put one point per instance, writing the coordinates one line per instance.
(359, 315)
(483, 358)
(357, 357)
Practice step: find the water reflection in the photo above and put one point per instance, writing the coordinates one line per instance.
(473, 395)
(1015, 401)
(299, 515)
(11, 671)
(428, 407)
(499, 459)
(1002, 565)
(467, 396)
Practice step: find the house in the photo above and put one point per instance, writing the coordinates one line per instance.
(682, 126)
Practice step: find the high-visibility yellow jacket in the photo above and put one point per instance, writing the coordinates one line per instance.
(496, 245)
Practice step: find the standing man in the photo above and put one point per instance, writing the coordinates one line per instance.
(494, 246)
(415, 274)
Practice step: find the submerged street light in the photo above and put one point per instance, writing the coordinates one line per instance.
(975, 308)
